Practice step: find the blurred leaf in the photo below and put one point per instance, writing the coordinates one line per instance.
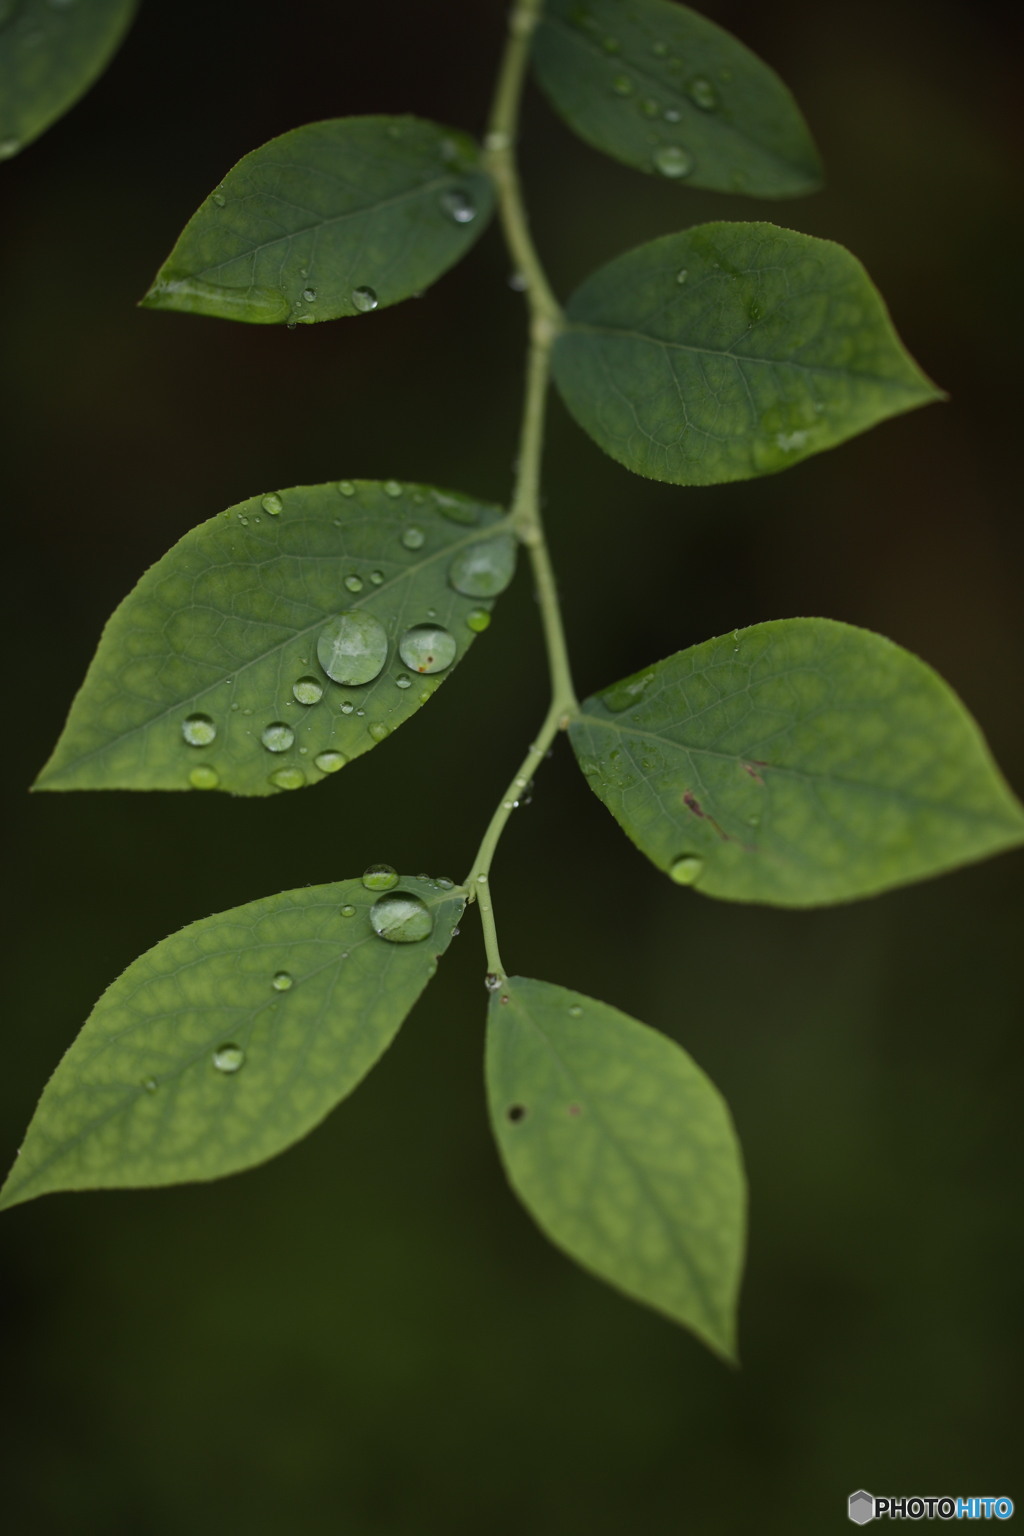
(230, 1040)
(796, 762)
(729, 351)
(224, 668)
(666, 91)
(51, 52)
(335, 218)
(622, 1151)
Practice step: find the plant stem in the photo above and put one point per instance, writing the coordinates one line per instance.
(546, 321)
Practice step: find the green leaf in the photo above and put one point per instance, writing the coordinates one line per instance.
(796, 762)
(223, 668)
(51, 52)
(230, 1040)
(622, 1151)
(729, 351)
(336, 218)
(666, 91)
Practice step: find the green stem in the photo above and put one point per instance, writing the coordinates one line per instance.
(546, 321)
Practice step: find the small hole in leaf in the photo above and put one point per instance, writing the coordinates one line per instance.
(516, 1111)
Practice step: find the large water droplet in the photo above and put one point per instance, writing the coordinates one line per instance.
(272, 504)
(228, 1058)
(687, 870)
(401, 918)
(198, 730)
(204, 778)
(364, 299)
(672, 161)
(277, 737)
(427, 648)
(352, 648)
(282, 981)
(458, 205)
(287, 778)
(380, 877)
(484, 569)
(478, 619)
(308, 690)
(702, 93)
(330, 761)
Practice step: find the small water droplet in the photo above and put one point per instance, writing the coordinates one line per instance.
(346, 487)
(610, 44)
(492, 982)
(649, 107)
(401, 918)
(287, 778)
(687, 870)
(393, 489)
(484, 569)
(403, 680)
(518, 282)
(478, 620)
(458, 205)
(277, 737)
(481, 879)
(672, 114)
(347, 708)
(575, 1012)
(702, 93)
(272, 504)
(682, 275)
(352, 648)
(330, 762)
(364, 299)
(308, 690)
(672, 161)
(413, 538)
(348, 910)
(427, 648)
(219, 199)
(204, 778)
(380, 877)
(445, 883)
(9, 147)
(309, 294)
(377, 577)
(228, 1058)
(149, 1083)
(354, 583)
(198, 730)
(622, 85)
(282, 981)
(378, 730)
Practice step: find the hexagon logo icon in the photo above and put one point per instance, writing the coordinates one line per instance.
(862, 1507)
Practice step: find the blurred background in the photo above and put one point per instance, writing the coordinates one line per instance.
(368, 1336)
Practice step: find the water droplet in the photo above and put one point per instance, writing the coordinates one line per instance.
(308, 690)
(204, 778)
(219, 199)
(346, 487)
(484, 569)
(413, 538)
(427, 648)
(518, 282)
(149, 1083)
(309, 294)
(649, 107)
(330, 762)
(9, 147)
(354, 583)
(682, 275)
(348, 910)
(458, 205)
(378, 730)
(347, 708)
(702, 93)
(364, 299)
(624, 695)
(622, 85)
(393, 489)
(272, 504)
(380, 877)
(492, 982)
(282, 981)
(478, 620)
(352, 648)
(687, 870)
(575, 1012)
(198, 730)
(377, 577)
(672, 161)
(403, 680)
(401, 918)
(277, 737)
(672, 114)
(481, 879)
(228, 1058)
(287, 778)
(445, 883)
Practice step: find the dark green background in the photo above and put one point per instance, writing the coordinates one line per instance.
(367, 1336)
